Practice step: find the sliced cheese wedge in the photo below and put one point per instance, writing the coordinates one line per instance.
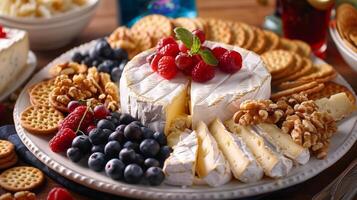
(180, 166)
(212, 166)
(175, 137)
(338, 105)
(273, 163)
(283, 142)
(241, 160)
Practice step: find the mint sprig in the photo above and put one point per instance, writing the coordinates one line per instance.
(193, 43)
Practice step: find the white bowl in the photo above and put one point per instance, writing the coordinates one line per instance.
(52, 33)
(347, 53)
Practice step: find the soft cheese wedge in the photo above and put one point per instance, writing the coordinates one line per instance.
(147, 96)
(221, 96)
(241, 160)
(273, 162)
(180, 166)
(283, 142)
(338, 105)
(14, 51)
(175, 137)
(212, 167)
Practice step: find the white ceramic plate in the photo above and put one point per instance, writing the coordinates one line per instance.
(341, 143)
(23, 76)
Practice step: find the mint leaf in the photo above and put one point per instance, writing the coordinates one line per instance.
(208, 57)
(196, 45)
(184, 35)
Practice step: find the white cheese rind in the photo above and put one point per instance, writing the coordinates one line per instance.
(273, 162)
(212, 166)
(242, 162)
(14, 52)
(180, 166)
(221, 96)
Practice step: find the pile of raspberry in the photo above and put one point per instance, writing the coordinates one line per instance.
(172, 57)
(2, 32)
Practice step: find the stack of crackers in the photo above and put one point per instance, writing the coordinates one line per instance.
(147, 32)
(346, 19)
(8, 157)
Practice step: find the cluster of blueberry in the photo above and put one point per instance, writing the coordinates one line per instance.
(124, 148)
(105, 58)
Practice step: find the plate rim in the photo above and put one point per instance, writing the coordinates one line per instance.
(31, 65)
(138, 191)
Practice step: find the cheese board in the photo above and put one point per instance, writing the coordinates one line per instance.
(78, 172)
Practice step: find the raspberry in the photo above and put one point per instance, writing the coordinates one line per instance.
(169, 50)
(183, 61)
(200, 34)
(62, 140)
(165, 41)
(218, 52)
(167, 67)
(58, 193)
(202, 72)
(230, 62)
(2, 32)
(155, 62)
(73, 119)
(196, 59)
(183, 47)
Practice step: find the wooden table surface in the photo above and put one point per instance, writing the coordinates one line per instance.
(248, 11)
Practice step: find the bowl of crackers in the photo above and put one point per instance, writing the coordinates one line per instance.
(343, 31)
(50, 24)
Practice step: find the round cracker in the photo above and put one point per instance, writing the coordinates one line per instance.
(143, 43)
(330, 89)
(278, 60)
(238, 34)
(250, 35)
(304, 49)
(319, 71)
(272, 40)
(9, 163)
(219, 30)
(306, 66)
(298, 64)
(259, 43)
(156, 26)
(6, 148)
(40, 93)
(41, 119)
(186, 23)
(288, 45)
(21, 178)
(295, 90)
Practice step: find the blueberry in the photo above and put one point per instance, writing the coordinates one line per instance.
(116, 115)
(74, 154)
(93, 54)
(160, 138)
(97, 161)
(120, 128)
(115, 169)
(106, 124)
(133, 173)
(120, 54)
(82, 142)
(139, 159)
(126, 119)
(113, 119)
(116, 74)
(133, 132)
(104, 49)
(87, 61)
(151, 162)
(123, 64)
(97, 136)
(103, 67)
(96, 63)
(138, 123)
(116, 136)
(154, 175)
(149, 147)
(164, 152)
(112, 149)
(147, 133)
(131, 145)
(98, 148)
(127, 155)
(106, 133)
(77, 57)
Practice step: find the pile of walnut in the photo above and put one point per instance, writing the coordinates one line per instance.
(295, 115)
(75, 82)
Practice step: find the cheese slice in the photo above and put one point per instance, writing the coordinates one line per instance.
(241, 160)
(212, 167)
(149, 97)
(273, 162)
(14, 50)
(284, 143)
(221, 96)
(338, 105)
(180, 166)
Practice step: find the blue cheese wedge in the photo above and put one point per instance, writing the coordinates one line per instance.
(180, 166)
(241, 160)
(274, 164)
(283, 143)
(212, 167)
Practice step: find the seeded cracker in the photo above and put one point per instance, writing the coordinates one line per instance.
(6, 148)
(40, 93)
(21, 178)
(259, 44)
(272, 40)
(186, 23)
(238, 34)
(278, 60)
(219, 31)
